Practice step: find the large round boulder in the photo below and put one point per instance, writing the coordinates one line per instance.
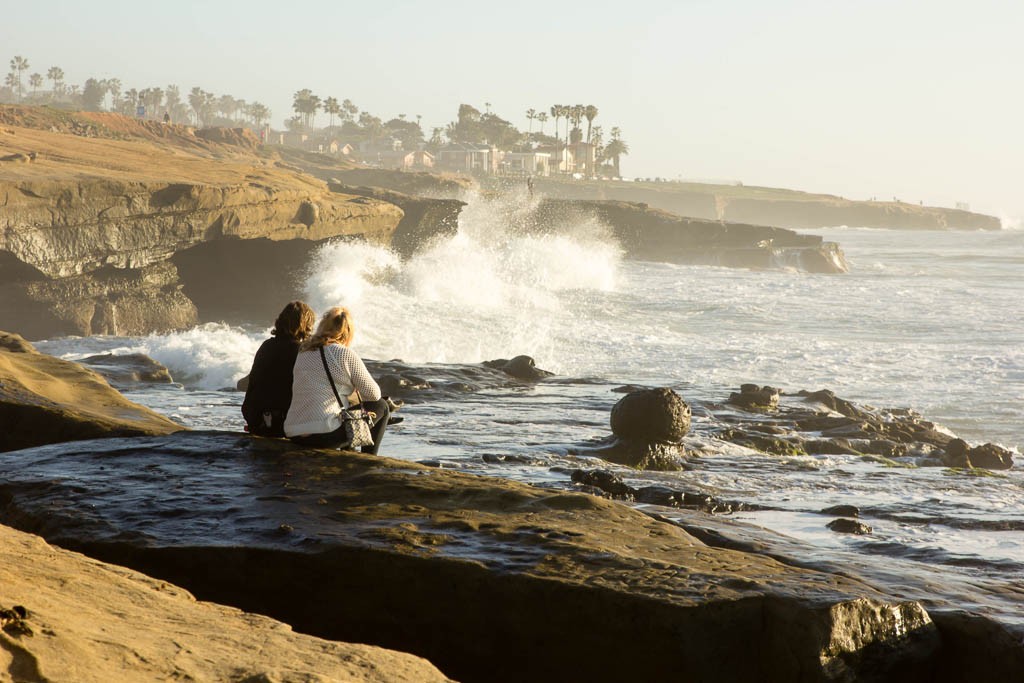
(651, 416)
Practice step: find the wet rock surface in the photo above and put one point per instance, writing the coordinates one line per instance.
(820, 423)
(455, 567)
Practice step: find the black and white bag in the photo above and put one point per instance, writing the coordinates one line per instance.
(355, 422)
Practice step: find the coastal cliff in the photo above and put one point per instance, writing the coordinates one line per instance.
(655, 235)
(770, 206)
(103, 229)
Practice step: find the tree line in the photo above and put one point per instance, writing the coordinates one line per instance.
(471, 126)
(197, 107)
(202, 108)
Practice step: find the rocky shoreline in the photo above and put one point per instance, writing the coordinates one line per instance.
(469, 571)
(116, 226)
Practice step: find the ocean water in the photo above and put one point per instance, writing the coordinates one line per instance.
(931, 321)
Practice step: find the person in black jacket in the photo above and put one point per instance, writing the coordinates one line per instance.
(270, 381)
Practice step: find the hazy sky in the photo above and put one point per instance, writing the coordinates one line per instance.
(921, 100)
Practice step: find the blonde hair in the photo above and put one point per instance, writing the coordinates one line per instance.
(334, 328)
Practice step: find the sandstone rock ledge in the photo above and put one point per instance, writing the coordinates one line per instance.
(92, 622)
(47, 400)
(114, 235)
(489, 579)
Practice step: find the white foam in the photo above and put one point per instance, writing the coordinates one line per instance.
(493, 289)
(210, 356)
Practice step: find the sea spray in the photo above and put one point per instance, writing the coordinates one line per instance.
(499, 287)
(211, 356)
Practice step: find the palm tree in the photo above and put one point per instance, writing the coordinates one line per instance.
(259, 113)
(332, 107)
(35, 80)
(616, 148)
(114, 88)
(196, 100)
(348, 110)
(590, 112)
(306, 104)
(56, 75)
(172, 95)
(18, 66)
(542, 117)
(531, 114)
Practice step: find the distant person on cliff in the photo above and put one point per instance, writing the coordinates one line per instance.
(167, 117)
(270, 381)
(314, 418)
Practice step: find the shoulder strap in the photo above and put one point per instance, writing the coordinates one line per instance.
(330, 378)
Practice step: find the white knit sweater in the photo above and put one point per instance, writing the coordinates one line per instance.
(314, 409)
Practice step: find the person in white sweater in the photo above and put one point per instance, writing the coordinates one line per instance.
(314, 417)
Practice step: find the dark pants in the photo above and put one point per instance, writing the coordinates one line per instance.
(338, 438)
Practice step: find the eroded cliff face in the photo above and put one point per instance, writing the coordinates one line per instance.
(92, 229)
(655, 235)
(770, 206)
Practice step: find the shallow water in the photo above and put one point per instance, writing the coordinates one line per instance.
(926, 320)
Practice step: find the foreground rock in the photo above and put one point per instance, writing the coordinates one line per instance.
(481, 576)
(47, 400)
(656, 235)
(86, 621)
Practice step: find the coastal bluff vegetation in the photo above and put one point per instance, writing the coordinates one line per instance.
(117, 225)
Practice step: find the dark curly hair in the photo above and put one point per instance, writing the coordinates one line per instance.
(296, 320)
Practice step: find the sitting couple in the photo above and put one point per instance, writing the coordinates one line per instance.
(300, 382)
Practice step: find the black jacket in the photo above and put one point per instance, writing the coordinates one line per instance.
(270, 386)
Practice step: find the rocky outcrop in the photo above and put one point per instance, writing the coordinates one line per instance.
(648, 426)
(47, 400)
(770, 206)
(819, 422)
(107, 235)
(425, 219)
(655, 235)
(831, 211)
(76, 619)
(466, 571)
(421, 184)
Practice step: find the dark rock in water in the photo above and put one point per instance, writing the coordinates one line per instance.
(955, 454)
(991, 457)
(399, 385)
(629, 389)
(651, 416)
(520, 367)
(829, 399)
(242, 384)
(126, 370)
(774, 445)
(885, 448)
(605, 481)
(754, 396)
(849, 526)
(842, 511)
(659, 457)
(838, 446)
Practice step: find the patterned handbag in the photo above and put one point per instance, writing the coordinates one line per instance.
(355, 422)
